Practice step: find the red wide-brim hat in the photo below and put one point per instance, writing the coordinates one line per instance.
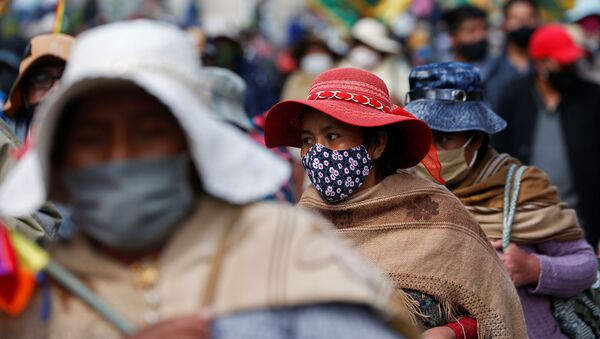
(355, 97)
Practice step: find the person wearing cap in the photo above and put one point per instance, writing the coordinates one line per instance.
(375, 51)
(167, 223)
(553, 123)
(547, 256)
(39, 72)
(354, 148)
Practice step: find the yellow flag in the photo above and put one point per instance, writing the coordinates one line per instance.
(31, 256)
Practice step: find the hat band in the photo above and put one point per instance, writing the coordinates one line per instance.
(347, 96)
(457, 95)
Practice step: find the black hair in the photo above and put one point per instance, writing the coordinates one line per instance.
(509, 3)
(386, 164)
(485, 143)
(456, 16)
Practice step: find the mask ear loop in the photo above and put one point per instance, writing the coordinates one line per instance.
(468, 141)
(474, 155)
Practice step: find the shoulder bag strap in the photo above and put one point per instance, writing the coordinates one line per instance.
(512, 189)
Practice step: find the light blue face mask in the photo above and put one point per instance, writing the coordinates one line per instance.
(132, 205)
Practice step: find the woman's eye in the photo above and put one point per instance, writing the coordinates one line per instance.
(332, 136)
(442, 140)
(307, 141)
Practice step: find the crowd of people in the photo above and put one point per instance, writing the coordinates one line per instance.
(183, 182)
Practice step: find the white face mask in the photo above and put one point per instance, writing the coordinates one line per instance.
(454, 164)
(316, 63)
(364, 57)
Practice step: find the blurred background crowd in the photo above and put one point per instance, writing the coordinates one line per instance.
(277, 46)
(518, 76)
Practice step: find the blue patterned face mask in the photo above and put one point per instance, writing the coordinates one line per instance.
(337, 174)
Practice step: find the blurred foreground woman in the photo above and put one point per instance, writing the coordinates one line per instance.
(168, 234)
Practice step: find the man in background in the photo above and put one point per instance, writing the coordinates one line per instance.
(468, 31)
(553, 123)
(521, 18)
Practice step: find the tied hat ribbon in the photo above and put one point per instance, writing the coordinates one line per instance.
(431, 162)
(347, 96)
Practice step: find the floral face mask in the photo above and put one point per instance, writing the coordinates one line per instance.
(337, 174)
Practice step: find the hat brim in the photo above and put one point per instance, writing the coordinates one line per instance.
(567, 56)
(14, 102)
(449, 116)
(410, 136)
(381, 44)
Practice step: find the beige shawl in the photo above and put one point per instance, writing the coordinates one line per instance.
(276, 256)
(422, 236)
(540, 214)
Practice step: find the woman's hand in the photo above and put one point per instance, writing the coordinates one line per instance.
(442, 332)
(195, 326)
(523, 268)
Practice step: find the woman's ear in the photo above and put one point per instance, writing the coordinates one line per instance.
(478, 139)
(377, 148)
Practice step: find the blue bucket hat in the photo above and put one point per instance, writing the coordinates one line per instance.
(448, 97)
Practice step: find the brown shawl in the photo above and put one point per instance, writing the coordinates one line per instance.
(422, 236)
(540, 214)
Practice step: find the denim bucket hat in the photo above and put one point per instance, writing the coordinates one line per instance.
(448, 97)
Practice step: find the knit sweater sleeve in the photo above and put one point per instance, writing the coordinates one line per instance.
(566, 268)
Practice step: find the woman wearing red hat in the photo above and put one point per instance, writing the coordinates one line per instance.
(353, 143)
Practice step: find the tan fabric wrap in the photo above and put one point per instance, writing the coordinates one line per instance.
(422, 236)
(540, 214)
(277, 256)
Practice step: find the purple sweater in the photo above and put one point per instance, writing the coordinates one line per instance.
(566, 268)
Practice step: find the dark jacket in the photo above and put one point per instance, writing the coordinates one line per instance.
(580, 116)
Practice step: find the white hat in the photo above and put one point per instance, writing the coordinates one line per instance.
(219, 26)
(582, 9)
(162, 60)
(375, 35)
